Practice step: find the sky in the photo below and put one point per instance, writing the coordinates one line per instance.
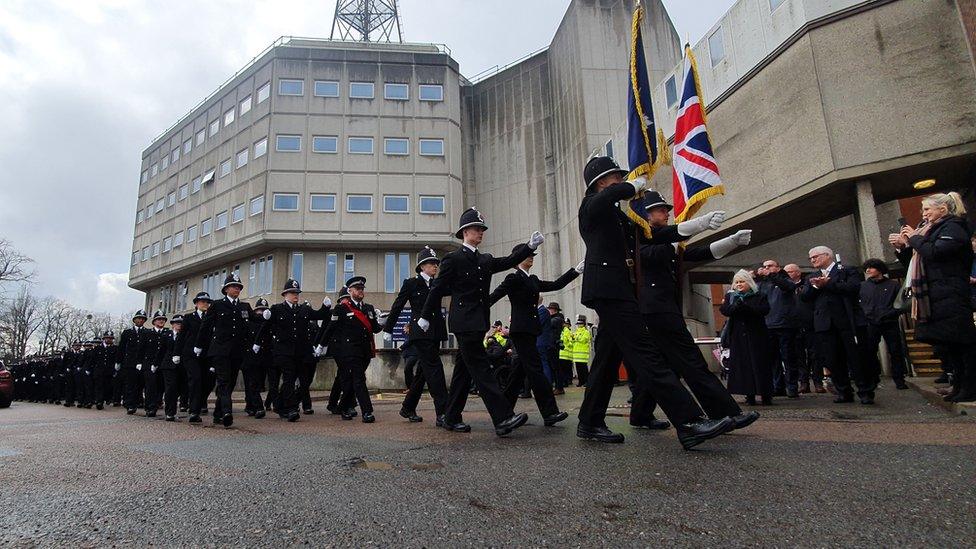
(86, 85)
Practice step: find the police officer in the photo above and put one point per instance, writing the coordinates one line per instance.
(157, 347)
(335, 395)
(196, 367)
(84, 369)
(224, 333)
(255, 362)
(68, 365)
(523, 291)
(104, 368)
(170, 366)
(427, 343)
(661, 309)
(608, 288)
(351, 328)
(132, 352)
(465, 275)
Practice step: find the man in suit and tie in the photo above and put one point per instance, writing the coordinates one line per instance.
(832, 289)
(465, 275)
(427, 343)
(523, 292)
(224, 334)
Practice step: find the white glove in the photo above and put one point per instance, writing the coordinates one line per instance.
(139, 367)
(721, 247)
(579, 267)
(536, 240)
(639, 183)
(213, 370)
(256, 348)
(152, 369)
(197, 351)
(327, 302)
(176, 360)
(266, 314)
(118, 367)
(424, 324)
(319, 350)
(387, 336)
(711, 220)
(743, 237)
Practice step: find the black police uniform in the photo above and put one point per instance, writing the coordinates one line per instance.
(105, 357)
(132, 351)
(351, 343)
(156, 355)
(170, 371)
(306, 373)
(256, 364)
(224, 335)
(523, 292)
(196, 367)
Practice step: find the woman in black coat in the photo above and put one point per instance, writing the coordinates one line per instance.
(943, 246)
(749, 358)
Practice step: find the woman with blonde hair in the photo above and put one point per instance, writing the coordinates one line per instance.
(939, 258)
(750, 373)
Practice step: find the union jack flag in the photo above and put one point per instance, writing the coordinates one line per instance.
(695, 174)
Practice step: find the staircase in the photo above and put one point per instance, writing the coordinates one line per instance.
(922, 356)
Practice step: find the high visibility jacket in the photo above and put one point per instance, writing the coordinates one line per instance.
(581, 344)
(502, 340)
(566, 351)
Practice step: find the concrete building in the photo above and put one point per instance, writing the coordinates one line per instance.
(822, 114)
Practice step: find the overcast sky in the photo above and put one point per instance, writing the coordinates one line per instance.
(85, 85)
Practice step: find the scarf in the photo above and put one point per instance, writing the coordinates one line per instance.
(919, 284)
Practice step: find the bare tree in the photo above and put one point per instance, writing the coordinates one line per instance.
(14, 266)
(51, 336)
(20, 317)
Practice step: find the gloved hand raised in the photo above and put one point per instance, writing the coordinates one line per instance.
(327, 302)
(639, 183)
(536, 240)
(721, 247)
(711, 220)
(579, 267)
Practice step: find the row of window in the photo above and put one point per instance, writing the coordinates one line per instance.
(397, 268)
(242, 108)
(358, 203)
(394, 91)
(329, 144)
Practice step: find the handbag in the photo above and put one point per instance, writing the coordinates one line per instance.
(903, 301)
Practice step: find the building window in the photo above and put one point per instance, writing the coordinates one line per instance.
(201, 137)
(431, 92)
(165, 163)
(171, 199)
(773, 4)
(291, 87)
(326, 88)
(431, 147)
(245, 105)
(135, 257)
(431, 204)
(167, 244)
(242, 158)
(206, 227)
(182, 289)
(160, 204)
(149, 211)
(187, 146)
(264, 92)
(178, 239)
(260, 148)
(144, 177)
(237, 214)
(288, 143)
(155, 249)
(359, 203)
(153, 170)
(214, 127)
(330, 272)
(209, 176)
(360, 145)
(191, 234)
(228, 117)
(348, 267)
(222, 220)
(145, 253)
(322, 203)
(257, 205)
(184, 191)
(264, 272)
(297, 262)
(671, 92)
(399, 92)
(361, 90)
(716, 47)
(396, 269)
(285, 202)
(140, 216)
(325, 144)
(395, 203)
(175, 155)
(395, 146)
(225, 168)
(197, 184)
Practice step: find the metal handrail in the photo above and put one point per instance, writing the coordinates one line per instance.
(492, 71)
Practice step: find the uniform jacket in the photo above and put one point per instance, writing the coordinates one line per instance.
(223, 331)
(105, 357)
(188, 336)
(415, 291)
(523, 292)
(159, 349)
(346, 336)
(833, 304)
(132, 346)
(659, 270)
(581, 344)
(566, 344)
(465, 275)
(289, 327)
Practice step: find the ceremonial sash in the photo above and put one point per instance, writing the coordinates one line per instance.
(361, 317)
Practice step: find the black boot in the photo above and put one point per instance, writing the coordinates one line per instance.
(694, 433)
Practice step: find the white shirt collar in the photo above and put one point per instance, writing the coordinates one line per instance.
(829, 268)
(425, 276)
(524, 271)
(469, 246)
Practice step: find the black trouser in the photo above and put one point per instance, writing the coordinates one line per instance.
(891, 333)
(288, 396)
(183, 387)
(208, 381)
(306, 375)
(227, 367)
(69, 385)
(354, 382)
(274, 382)
(582, 373)
(133, 386)
(151, 382)
(254, 373)
(335, 395)
(782, 347)
(103, 384)
(194, 366)
(808, 357)
(841, 356)
(87, 384)
(529, 370)
(171, 389)
(472, 365)
(623, 336)
(670, 334)
(409, 366)
(430, 371)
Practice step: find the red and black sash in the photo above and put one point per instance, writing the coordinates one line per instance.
(361, 317)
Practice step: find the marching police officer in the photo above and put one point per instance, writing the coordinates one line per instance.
(84, 369)
(104, 359)
(608, 288)
(224, 333)
(158, 346)
(68, 365)
(427, 343)
(335, 395)
(132, 350)
(523, 292)
(256, 362)
(351, 330)
(196, 367)
(465, 275)
(170, 367)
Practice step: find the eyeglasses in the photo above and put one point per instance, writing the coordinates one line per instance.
(817, 255)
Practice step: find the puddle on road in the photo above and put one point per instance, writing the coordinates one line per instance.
(8, 452)
(360, 463)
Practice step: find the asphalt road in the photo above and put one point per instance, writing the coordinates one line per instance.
(810, 473)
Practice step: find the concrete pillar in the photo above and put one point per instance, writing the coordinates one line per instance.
(870, 243)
